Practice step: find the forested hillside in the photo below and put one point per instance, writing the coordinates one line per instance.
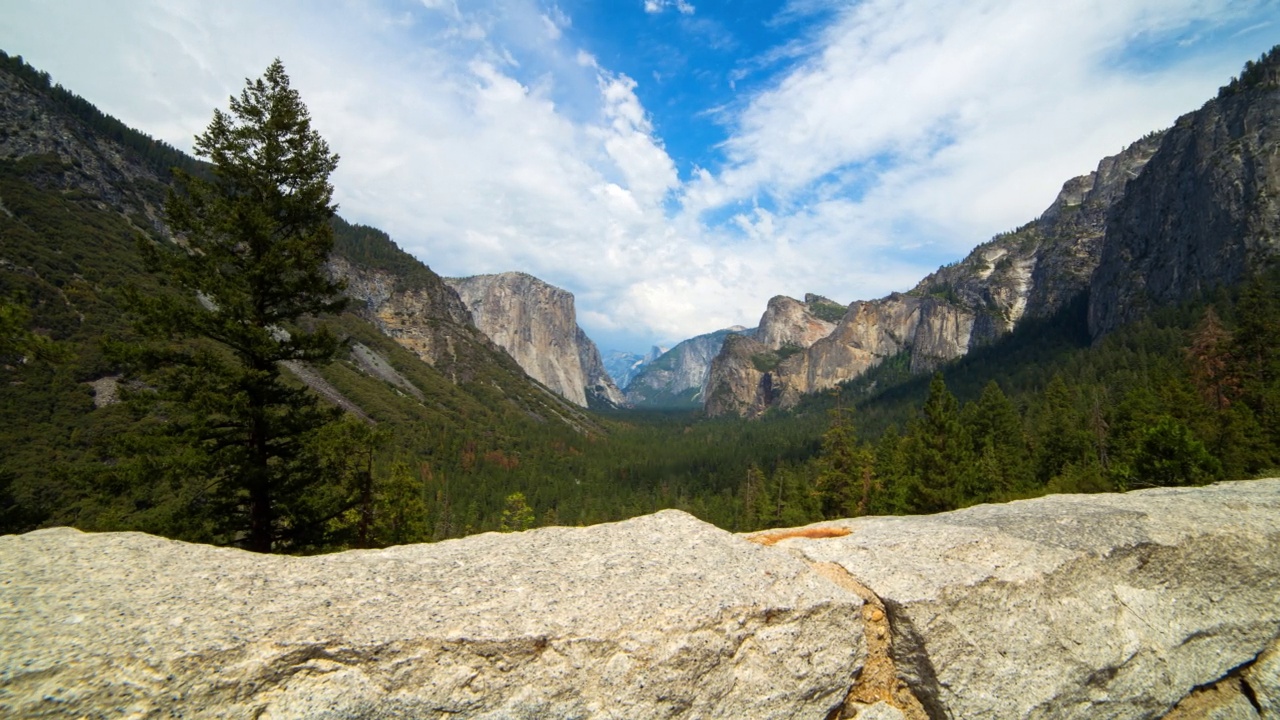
(445, 436)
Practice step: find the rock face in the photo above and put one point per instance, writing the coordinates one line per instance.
(757, 371)
(558, 622)
(678, 377)
(425, 316)
(1076, 606)
(536, 324)
(1203, 213)
(1030, 273)
(35, 127)
(1117, 606)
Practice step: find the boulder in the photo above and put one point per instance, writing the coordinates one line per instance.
(659, 616)
(1074, 606)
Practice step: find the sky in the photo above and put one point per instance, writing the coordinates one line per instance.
(673, 163)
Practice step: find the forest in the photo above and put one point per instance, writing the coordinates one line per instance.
(1187, 396)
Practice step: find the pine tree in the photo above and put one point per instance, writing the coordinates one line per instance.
(248, 265)
(1063, 432)
(516, 514)
(999, 443)
(940, 453)
(845, 469)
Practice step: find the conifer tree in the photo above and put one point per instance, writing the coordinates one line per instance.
(845, 469)
(248, 264)
(999, 444)
(941, 457)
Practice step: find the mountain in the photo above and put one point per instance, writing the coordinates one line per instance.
(78, 190)
(677, 378)
(536, 324)
(1173, 216)
(622, 365)
(1206, 210)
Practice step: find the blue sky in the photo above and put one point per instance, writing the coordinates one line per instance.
(674, 163)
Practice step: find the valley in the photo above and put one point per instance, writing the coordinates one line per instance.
(1125, 338)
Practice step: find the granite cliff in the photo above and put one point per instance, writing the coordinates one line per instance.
(1153, 604)
(536, 324)
(1031, 272)
(1204, 212)
(678, 377)
(1172, 217)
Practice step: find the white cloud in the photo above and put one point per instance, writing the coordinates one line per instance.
(975, 111)
(683, 7)
(483, 139)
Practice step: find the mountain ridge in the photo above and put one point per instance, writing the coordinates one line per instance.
(1096, 238)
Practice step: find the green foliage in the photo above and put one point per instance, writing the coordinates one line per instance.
(824, 309)
(769, 360)
(371, 248)
(516, 514)
(160, 156)
(844, 470)
(1263, 73)
(254, 242)
(18, 344)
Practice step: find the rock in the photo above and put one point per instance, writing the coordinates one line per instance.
(1204, 213)
(536, 324)
(423, 315)
(678, 377)
(1073, 606)
(880, 711)
(662, 616)
(1263, 679)
(1157, 603)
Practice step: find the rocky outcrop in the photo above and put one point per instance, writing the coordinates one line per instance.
(557, 622)
(1118, 606)
(35, 127)
(1075, 606)
(1204, 212)
(678, 377)
(1030, 273)
(753, 373)
(600, 388)
(536, 324)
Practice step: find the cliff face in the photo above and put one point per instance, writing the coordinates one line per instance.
(536, 324)
(757, 371)
(34, 126)
(1031, 272)
(1069, 606)
(1204, 211)
(426, 317)
(678, 377)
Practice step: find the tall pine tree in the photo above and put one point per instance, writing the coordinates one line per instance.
(248, 265)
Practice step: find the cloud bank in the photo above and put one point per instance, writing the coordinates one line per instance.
(484, 136)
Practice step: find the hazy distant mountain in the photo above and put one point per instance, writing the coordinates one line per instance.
(678, 377)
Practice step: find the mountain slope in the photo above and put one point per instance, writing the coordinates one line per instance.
(1031, 272)
(77, 192)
